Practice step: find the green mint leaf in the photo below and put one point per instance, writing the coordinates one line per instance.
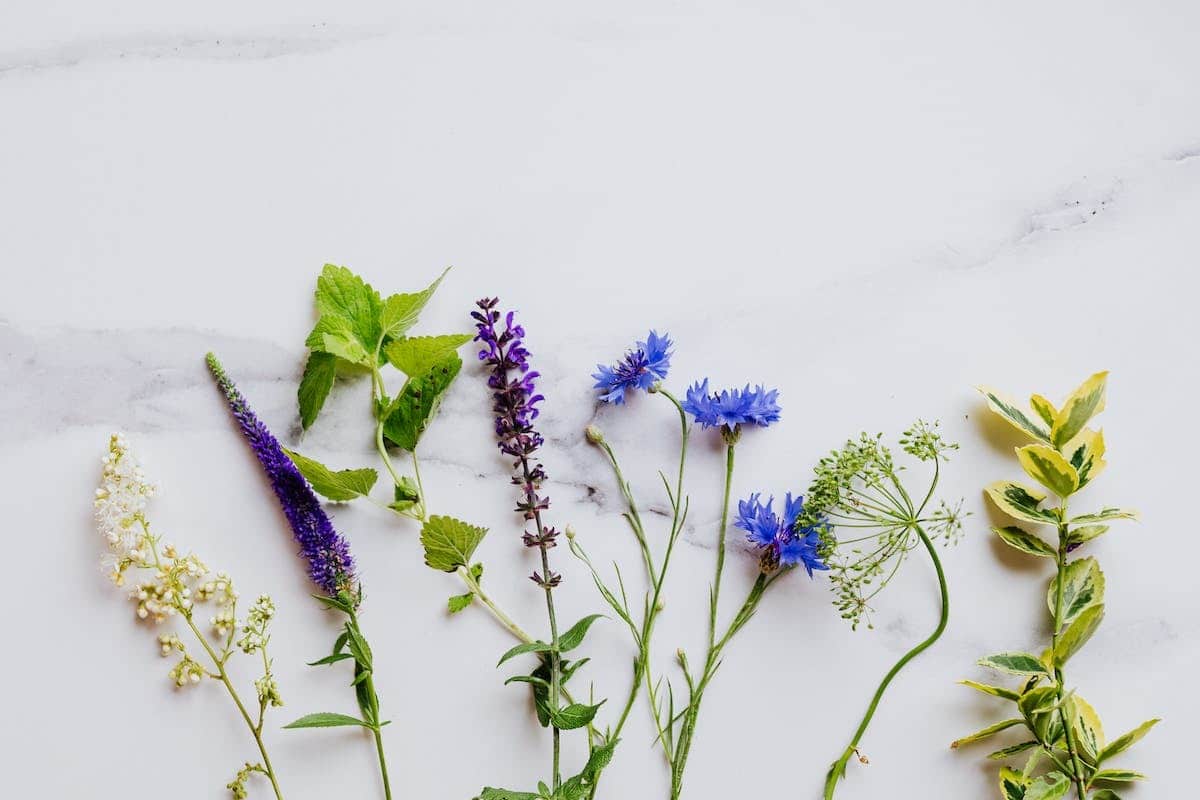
(459, 601)
(347, 348)
(574, 637)
(416, 355)
(400, 311)
(340, 486)
(327, 719)
(315, 384)
(449, 542)
(410, 413)
(489, 793)
(342, 294)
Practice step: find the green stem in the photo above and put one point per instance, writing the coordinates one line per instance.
(716, 590)
(383, 771)
(1077, 772)
(838, 768)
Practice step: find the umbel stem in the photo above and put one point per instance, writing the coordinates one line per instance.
(837, 770)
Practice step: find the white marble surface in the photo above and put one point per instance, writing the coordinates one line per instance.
(870, 205)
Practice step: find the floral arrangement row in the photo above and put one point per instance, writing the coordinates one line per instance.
(866, 508)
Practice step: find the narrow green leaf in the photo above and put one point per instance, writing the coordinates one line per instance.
(339, 486)
(411, 412)
(449, 543)
(1077, 633)
(1104, 515)
(334, 602)
(1124, 742)
(400, 311)
(416, 355)
(986, 732)
(1118, 776)
(1084, 403)
(523, 648)
(574, 637)
(327, 719)
(1083, 586)
(1024, 541)
(1011, 750)
(459, 601)
(576, 715)
(315, 385)
(994, 691)
(1015, 663)
(1048, 467)
(330, 659)
(1020, 502)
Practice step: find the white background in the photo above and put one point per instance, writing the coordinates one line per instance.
(872, 206)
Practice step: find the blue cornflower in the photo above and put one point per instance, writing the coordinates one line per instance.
(783, 541)
(643, 366)
(732, 407)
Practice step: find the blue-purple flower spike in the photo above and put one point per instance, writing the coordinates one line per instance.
(732, 407)
(329, 562)
(640, 368)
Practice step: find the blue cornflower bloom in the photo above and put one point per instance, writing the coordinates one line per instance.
(732, 407)
(783, 541)
(642, 367)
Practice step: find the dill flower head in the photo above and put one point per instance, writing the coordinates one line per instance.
(730, 408)
(783, 539)
(330, 565)
(640, 368)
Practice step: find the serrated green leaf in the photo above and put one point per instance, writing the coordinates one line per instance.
(1025, 541)
(1048, 467)
(1015, 663)
(1020, 502)
(1084, 534)
(1084, 403)
(1125, 741)
(327, 719)
(523, 648)
(330, 659)
(1118, 776)
(411, 412)
(1104, 515)
(347, 348)
(994, 691)
(1083, 586)
(1053, 786)
(359, 647)
(1011, 413)
(986, 732)
(449, 543)
(315, 385)
(400, 311)
(342, 294)
(459, 601)
(416, 355)
(1012, 784)
(342, 485)
(577, 786)
(574, 637)
(576, 715)
(1011, 750)
(1077, 633)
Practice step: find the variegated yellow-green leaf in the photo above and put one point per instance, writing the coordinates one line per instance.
(1125, 741)
(1011, 413)
(1020, 502)
(1089, 731)
(1086, 454)
(1011, 750)
(1044, 408)
(1052, 786)
(1118, 775)
(1048, 467)
(1083, 587)
(1024, 541)
(1015, 663)
(1077, 633)
(1085, 533)
(1012, 784)
(1084, 403)
(1104, 515)
(1038, 701)
(994, 691)
(986, 732)
(1106, 794)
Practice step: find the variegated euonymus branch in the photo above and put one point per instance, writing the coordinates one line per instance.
(1066, 744)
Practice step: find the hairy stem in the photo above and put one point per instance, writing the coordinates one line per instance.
(838, 769)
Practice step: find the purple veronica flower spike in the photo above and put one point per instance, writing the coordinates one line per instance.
(329, 563)
(642, 367)
(783, 541)
(732, 407)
